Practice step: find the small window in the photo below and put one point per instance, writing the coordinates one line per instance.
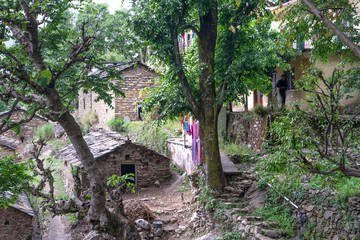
(6, 222)
(290, 78)
(84, 103)
(127, 156)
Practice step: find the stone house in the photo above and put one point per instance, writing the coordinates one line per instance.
(17, 221)
(27, 129)
(116, 155)
(136, 76)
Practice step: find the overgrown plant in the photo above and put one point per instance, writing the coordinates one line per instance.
(116, 125)
(323, 137)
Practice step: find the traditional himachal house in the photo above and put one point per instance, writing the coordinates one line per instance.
(137, 76)
(16, 222)
(27, 129)
(116, 155)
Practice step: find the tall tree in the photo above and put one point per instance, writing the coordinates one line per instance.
(41, 70)
(159, 24)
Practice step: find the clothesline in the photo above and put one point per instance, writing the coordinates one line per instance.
(193, 130)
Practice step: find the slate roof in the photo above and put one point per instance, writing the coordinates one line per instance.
(22, 204)
(119, 66)
(100, 143)
(9, 142)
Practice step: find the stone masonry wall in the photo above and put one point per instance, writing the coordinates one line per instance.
(15, 224)
(246, 129)
(27, 130)
(136, 79)
(149, 166)
(326, 218)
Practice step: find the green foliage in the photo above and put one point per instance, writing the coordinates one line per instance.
(261, 110)
(300, 25)
(89, 119)
(116, 125)
(128, 179)
(45, 132)
(186, 186)
(232, 236)
(151, 135)
(13, 176)
(277, 210)
(235, 149)
(56, 143)
(176, 169)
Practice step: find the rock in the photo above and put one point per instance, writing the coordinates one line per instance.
(157, 184)
(147, 199)
(309, 208)
(261, 237)
(143, 224)
(229, 189)
(270, 233)
(157, 224)
(181, 228)
(336, 237)
(158, 232)
(210, 236)
(328, 214)
(194, 217)
(95, 235)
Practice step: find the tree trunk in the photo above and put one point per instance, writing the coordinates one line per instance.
(215, 178)
(98, 215)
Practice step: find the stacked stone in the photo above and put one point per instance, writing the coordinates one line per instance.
(331, 221)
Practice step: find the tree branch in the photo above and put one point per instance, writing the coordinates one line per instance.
(345, 39)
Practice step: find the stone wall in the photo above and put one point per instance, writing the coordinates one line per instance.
(136, 79)
(27, 130)
(248, 129)
(181, 156)
(15, 224)
(326, 218)
(149, 165)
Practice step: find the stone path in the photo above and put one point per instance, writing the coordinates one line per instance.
(229, 167)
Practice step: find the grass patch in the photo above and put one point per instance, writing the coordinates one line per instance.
(56, 143)
(277, 210)
(186, 186)
(176, 169)
(235, 149)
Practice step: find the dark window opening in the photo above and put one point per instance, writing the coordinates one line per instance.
(6, 222)
(127, 156)
(139, 111)
(290, 78)
(22, 139)
(126, 169)
(84, 103)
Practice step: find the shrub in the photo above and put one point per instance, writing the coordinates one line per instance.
(261, 110)
(116, 125)
(45, 132)
(89, 119)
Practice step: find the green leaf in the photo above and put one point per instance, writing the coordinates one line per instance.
(238, 2)
(44, 78)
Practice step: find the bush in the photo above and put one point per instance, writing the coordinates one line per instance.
(45, 132)
(89, 119)
(261, 110)
(116, 125)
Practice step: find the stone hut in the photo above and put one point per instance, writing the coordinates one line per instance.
(27, 129)
(136, 76)
(8, 146)
(117, 156)
(16, 222)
